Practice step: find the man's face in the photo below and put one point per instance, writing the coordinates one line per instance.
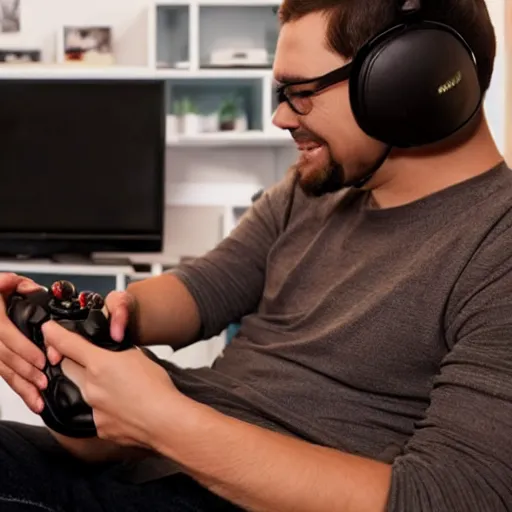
(333, 149)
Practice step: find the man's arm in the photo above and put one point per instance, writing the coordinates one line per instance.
(459, 458)
(199, 299)
(261, 470)
(165, 312)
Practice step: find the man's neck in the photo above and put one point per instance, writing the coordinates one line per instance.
(412, 174)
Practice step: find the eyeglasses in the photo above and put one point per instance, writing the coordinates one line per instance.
(298, 95)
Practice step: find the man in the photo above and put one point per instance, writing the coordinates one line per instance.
(373, 368)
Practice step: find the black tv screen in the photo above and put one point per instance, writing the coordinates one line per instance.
(81, 166)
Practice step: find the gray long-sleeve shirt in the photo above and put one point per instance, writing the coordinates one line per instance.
(384, 333)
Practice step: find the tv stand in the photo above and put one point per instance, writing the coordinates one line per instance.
(72, 259)
(90, 259)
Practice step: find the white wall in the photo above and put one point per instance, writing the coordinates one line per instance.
(41, 19)
(496, 96)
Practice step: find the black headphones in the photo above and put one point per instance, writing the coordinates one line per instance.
(415, 83)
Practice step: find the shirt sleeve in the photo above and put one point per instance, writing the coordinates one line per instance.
(460, 456)
(228, 281)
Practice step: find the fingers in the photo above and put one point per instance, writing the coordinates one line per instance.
(18, 364)
(9, 281)
(67, 343)
(21, 361)
(26, 390)
(13, 340)
(119, 305)
(28, 286)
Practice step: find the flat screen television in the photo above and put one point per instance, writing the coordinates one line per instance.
(81, 166)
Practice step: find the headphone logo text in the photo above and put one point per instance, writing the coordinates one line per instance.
(450, 84)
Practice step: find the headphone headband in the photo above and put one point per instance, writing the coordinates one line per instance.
(409, 6)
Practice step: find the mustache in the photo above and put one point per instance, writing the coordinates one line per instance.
(305, 136)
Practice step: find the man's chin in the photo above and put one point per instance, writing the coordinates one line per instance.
(324, 182)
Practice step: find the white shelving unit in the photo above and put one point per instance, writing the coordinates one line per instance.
(181, 34)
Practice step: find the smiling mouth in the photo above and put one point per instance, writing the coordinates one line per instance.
(308, 145)
(309, 149)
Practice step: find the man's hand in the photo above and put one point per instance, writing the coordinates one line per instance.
(124, 389)
(21, 362)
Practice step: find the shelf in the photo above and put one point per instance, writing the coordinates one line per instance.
(230, 139)
(209, 74)
(211, 194)
(47, 266)
(72, 71)
(237, 34)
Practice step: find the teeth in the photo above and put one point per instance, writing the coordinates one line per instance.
(309, 147)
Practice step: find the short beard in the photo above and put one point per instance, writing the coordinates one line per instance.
(328, 180)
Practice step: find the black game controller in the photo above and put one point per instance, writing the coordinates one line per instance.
(65, 410)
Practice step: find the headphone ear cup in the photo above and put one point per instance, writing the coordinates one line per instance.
(414, 85)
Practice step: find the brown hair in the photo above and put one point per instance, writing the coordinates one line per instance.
(353, 22)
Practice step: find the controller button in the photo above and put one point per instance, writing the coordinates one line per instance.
(95, 301)
(63, 290)
(83, 298)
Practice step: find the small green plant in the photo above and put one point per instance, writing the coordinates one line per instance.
(188, 107)
(228, 113)
(176, 108)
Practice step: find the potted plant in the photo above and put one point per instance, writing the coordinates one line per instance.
(190, 117)
(175, 119)
(228, 114)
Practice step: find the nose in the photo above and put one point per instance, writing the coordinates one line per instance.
(285, 118)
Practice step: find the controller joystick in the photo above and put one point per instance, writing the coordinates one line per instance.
(65, 411)
(64, 300)
(90, 300)
(63, 290)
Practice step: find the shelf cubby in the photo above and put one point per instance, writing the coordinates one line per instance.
(237, 36)
(208, 51)
(172, 36)
(217, 105)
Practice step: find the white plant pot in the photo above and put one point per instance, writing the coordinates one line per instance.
(241, 124)
(173, 124)
(210, 123)
(191, 124)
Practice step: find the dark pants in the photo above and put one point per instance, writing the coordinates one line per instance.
(36, 474)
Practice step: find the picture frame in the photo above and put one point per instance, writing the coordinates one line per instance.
(10, 16)
(19, 56)
(86, 45)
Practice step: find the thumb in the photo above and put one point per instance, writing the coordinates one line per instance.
(119, 306)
